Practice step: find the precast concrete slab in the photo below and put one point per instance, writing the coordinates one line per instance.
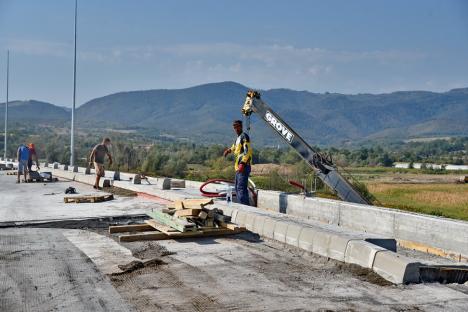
(106, 253)
(292, 234)
(40, 270)
(279, 233)
(396, 268)
(241, 273)
(306, 238)
(34, 202)
(361, 253)
(448, 237)
(269, 227)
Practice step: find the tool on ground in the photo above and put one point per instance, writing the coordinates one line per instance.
(323, 166)
(70, 190)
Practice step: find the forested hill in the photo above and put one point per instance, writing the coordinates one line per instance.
(34, 111)
(205, 113)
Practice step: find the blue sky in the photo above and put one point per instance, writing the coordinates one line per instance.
(334, 46)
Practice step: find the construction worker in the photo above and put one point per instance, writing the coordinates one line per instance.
(243, 160)
(97, 156)
(22, 156)
(32, 156)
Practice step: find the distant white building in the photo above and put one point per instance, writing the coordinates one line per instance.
(405, 165)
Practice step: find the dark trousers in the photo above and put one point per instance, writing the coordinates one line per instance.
(242, 181)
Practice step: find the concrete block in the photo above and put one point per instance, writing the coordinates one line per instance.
(269, 227)
(396, 268)
(136, 179)
(227, 211)
(234, 215)
(321, 242)
(105, 182)
(258, 224)
(56, 166)
(249, 220)
(292, 234)
(268, 200)
(177, 183)
(362, 253)
(281, 228)
(241, 218)
(306, 238)
(338, 245)
(319, 209)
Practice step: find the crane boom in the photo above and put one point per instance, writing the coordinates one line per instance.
(323, 167)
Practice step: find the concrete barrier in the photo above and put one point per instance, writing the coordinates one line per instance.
(361, 253)
(396, 268)
(450, 236)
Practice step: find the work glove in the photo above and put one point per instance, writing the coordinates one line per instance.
(226, 152)
(241, 168)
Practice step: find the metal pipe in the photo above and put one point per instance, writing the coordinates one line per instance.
(72, 130)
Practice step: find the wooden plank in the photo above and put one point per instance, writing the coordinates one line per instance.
(129, 228)
(178, 224)
(196, 203)
(162, 236)
(142, 236)
(231, 226)
(187, 212)
(178, 205)
(161, 227)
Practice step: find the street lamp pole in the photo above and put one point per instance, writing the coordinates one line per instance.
(72, 135)
(6, 105)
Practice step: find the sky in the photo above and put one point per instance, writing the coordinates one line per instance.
(320, 46)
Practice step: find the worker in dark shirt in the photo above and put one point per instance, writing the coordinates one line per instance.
(97, 157)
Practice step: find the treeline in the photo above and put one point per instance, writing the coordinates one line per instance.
(188, 160)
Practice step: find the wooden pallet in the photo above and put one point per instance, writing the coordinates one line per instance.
(154, 230)
(88, 198)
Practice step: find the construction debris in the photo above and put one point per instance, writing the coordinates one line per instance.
(177, 220)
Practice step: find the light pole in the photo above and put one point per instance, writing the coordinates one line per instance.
(6, 105)
(72, 134)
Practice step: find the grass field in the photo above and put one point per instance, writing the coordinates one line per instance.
(448, 200)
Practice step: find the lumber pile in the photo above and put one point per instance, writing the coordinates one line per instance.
(88, 198)
(195, 212)
(180, 219)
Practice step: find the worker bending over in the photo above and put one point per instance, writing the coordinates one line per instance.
(243, 161)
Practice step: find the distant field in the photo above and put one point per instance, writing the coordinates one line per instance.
(448, 200)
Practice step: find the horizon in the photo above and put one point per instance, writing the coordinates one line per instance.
(335, 47)
(221, 82)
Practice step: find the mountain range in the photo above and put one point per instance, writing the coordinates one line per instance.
(204, 113)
